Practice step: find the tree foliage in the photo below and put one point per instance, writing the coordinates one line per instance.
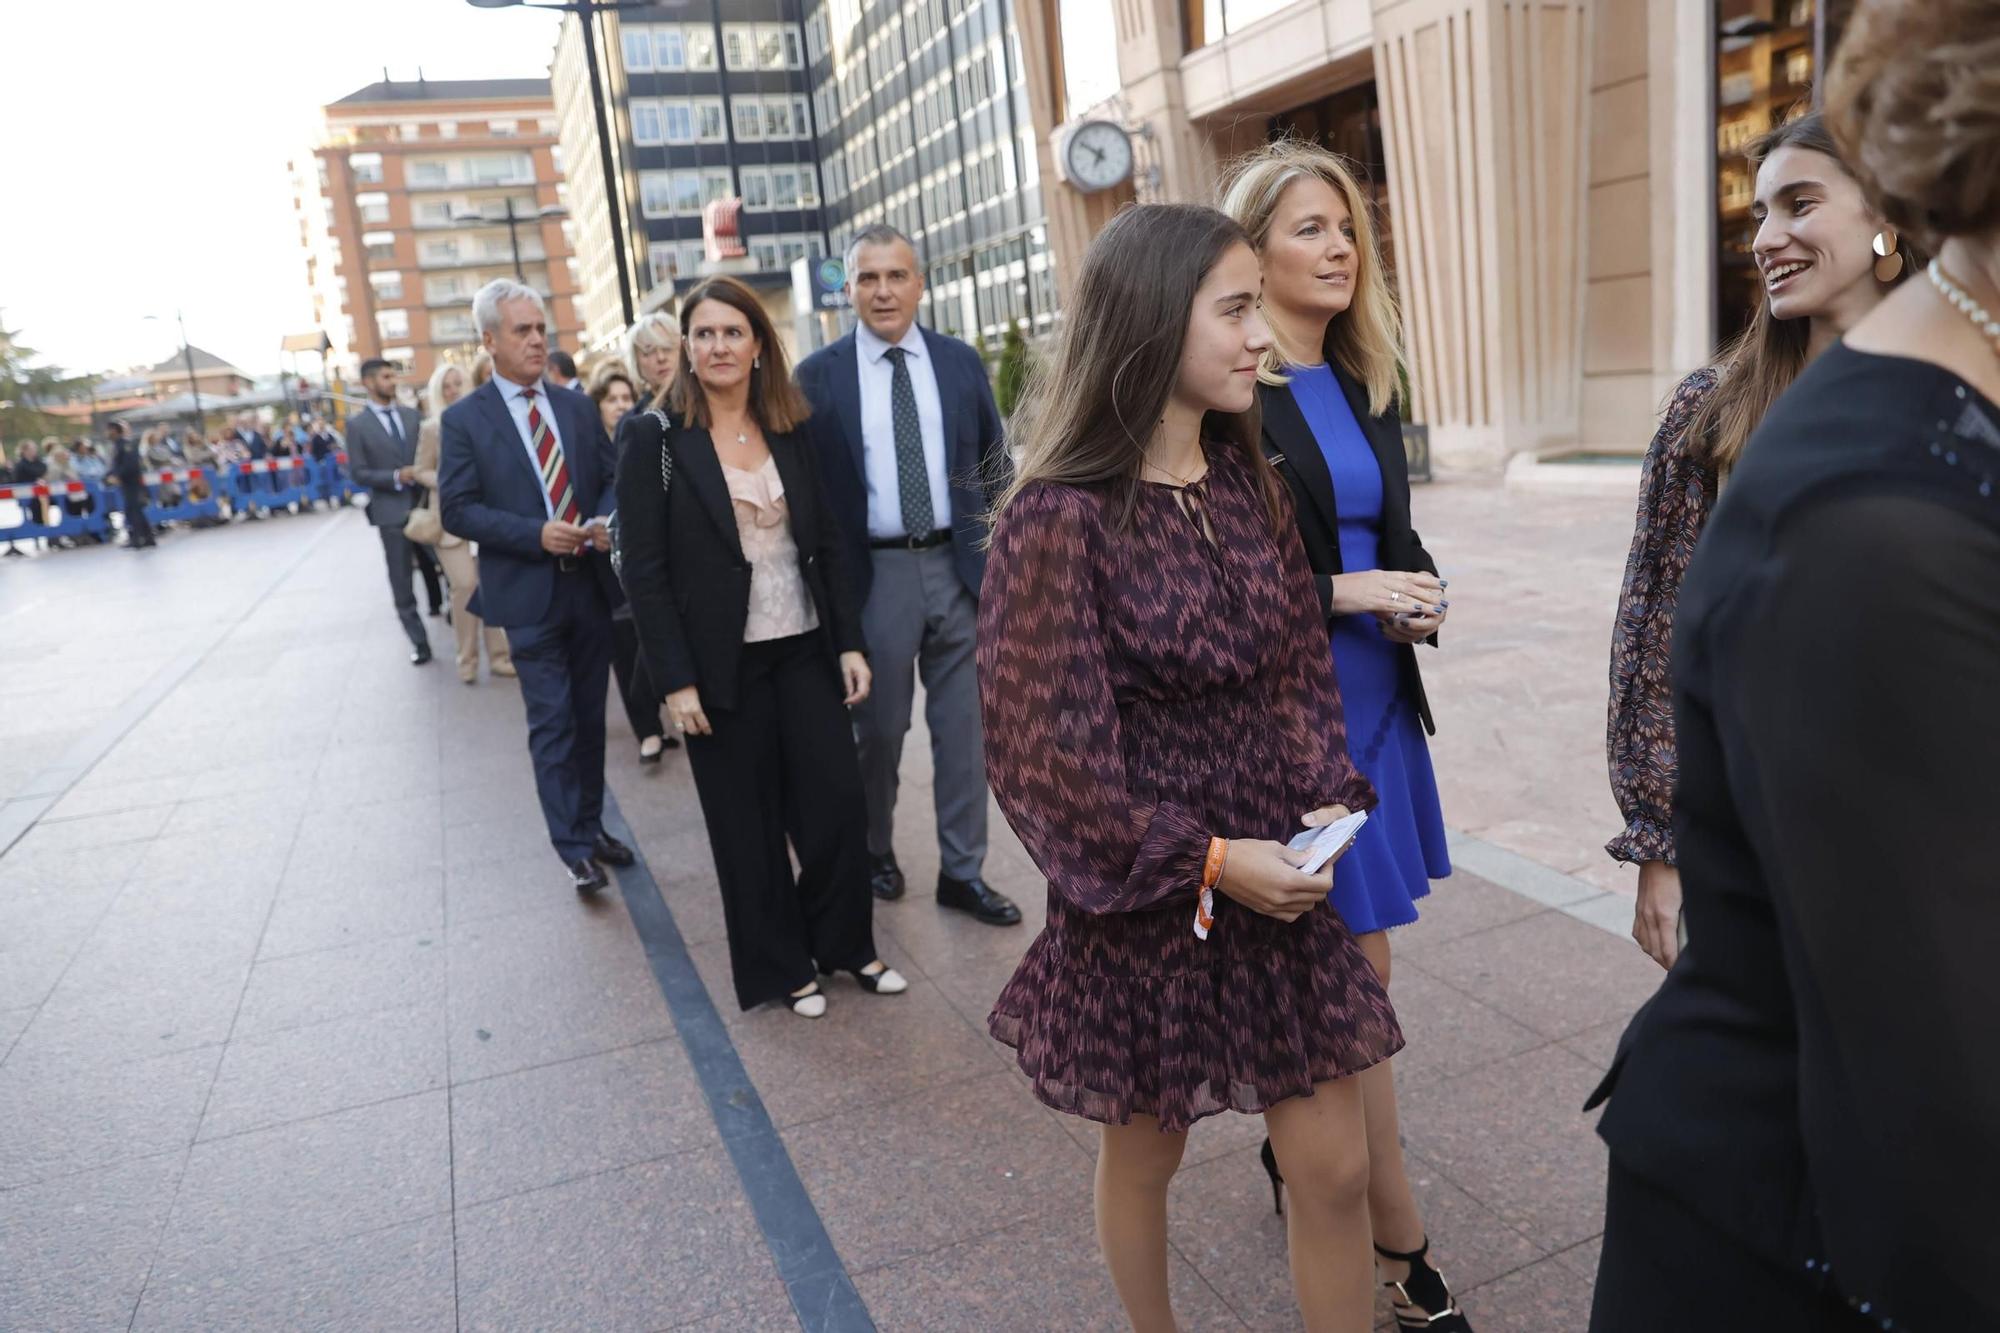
(25, 385)
(1013, 373)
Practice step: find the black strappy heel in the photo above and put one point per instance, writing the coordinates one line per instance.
(1422, 1300)
(1270, 1160)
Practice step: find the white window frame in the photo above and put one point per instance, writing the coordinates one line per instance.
(756, 184)
(753, 107)
(718, 178)
(661, 181)
(372, 207)
(637, 37)
(386, 284)
(739, 46)
(669, 251)
(669, 48)
(684, 176)
(363, 168)
(386, 322)
(702, 107)
(684, 109)
(701, 52)
(648, 123)
(504, 129)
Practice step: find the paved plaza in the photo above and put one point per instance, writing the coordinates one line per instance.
(302, 1027)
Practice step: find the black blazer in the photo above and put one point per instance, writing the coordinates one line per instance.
(1293, 449)
(684, 570)
(975, 448)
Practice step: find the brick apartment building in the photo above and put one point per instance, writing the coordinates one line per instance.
(402, 216)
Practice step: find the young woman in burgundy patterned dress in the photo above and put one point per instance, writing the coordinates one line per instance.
(1161, 715)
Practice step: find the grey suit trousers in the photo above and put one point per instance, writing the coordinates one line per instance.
(921, 622)
(397, 555)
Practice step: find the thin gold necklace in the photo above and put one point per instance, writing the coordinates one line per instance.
(1184, 482)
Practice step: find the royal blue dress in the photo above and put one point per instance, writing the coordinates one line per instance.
(1402, 847)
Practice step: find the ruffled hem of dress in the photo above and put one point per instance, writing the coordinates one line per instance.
(1242, 1036)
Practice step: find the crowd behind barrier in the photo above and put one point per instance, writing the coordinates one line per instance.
(199, 496)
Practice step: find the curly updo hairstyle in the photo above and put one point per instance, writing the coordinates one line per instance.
(1914, 99)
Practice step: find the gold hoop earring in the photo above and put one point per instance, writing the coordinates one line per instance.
(1888, 257)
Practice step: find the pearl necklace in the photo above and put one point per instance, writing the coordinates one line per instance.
(1964, 303)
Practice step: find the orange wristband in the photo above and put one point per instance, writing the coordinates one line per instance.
(1211, 873)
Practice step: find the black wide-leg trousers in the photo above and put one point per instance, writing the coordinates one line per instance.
(781, 767)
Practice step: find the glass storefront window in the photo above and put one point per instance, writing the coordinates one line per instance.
(1211, 20)
(1767, 57)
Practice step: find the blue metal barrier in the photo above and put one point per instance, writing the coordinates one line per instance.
(43, 499)
(265, 484)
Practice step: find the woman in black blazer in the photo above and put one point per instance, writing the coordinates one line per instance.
(747, 621)
(1327, 398)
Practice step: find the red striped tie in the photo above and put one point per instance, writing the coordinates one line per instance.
(555, 468)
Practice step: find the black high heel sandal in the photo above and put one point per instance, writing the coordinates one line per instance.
(1270, 1160)
(1422, 1300)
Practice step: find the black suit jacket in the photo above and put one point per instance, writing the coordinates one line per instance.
(975, 448)
(1293, 449)
(684, 569)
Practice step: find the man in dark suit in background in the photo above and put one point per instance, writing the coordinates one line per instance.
(381, 453)
(913, 456)
(525, 470)
(258, 448)
(562, 370)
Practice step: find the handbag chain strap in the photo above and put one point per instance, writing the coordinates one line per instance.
(666, 454)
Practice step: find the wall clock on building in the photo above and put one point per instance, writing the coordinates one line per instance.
(1097, 155)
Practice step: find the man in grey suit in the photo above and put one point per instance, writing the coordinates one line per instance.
(381, 455)
(912, 457)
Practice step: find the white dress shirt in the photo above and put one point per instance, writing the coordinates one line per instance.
(878, 430)
(517, 407)
(391, 420)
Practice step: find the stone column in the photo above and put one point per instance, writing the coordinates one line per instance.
(1484, 112)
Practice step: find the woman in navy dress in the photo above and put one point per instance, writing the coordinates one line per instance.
(1331, 428)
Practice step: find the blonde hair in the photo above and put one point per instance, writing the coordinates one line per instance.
(434, 403)
(1366, 341)
(657, 329)
(482, 368)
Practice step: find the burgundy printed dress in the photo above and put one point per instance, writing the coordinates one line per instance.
(1143, 692)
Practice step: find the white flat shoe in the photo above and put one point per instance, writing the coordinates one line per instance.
(810, 1005)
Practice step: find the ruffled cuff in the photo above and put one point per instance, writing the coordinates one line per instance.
(1644, 839)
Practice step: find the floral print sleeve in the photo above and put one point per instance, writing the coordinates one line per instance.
(1676, 492)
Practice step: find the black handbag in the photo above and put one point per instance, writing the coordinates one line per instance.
(666, 484)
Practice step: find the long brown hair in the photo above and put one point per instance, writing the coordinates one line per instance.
(1091, 405)
(775, 401)
(1367, 340)
(1760, 363)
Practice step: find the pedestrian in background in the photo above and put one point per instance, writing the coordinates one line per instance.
(653, 355)
(128, 469)
(1161, 715)
(382, 454)
(746, 617)
(911, 446)
(29, 470)
(613, 392)
(447, 385)
(562, 370)
(1801, 1121)
(61, 472)
(482, 369)
(91, 469)
(542, 573)
(1816, 252)
(161, 456)
(1327, 396)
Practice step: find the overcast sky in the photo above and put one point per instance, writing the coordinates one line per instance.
(147, 144)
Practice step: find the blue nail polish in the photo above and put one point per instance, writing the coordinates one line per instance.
(1444, 583)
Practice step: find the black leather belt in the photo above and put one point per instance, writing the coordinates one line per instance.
(569, 564)
(923, 543)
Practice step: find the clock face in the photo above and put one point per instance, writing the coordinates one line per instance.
(1098, 155)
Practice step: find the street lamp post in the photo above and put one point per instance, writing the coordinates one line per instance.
(187, 352)
(586, 12)
(513, 221)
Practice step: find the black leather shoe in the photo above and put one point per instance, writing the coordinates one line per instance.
(420, 654)
(587, 877)
(885, 877)
(611, 851)
(972, 895)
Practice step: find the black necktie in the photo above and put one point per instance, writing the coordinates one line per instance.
(913, 474)
(395, 426)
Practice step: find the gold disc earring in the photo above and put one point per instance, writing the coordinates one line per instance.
(1888, 258)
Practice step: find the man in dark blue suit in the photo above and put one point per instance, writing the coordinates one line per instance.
(525, 469)
(913, 457)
